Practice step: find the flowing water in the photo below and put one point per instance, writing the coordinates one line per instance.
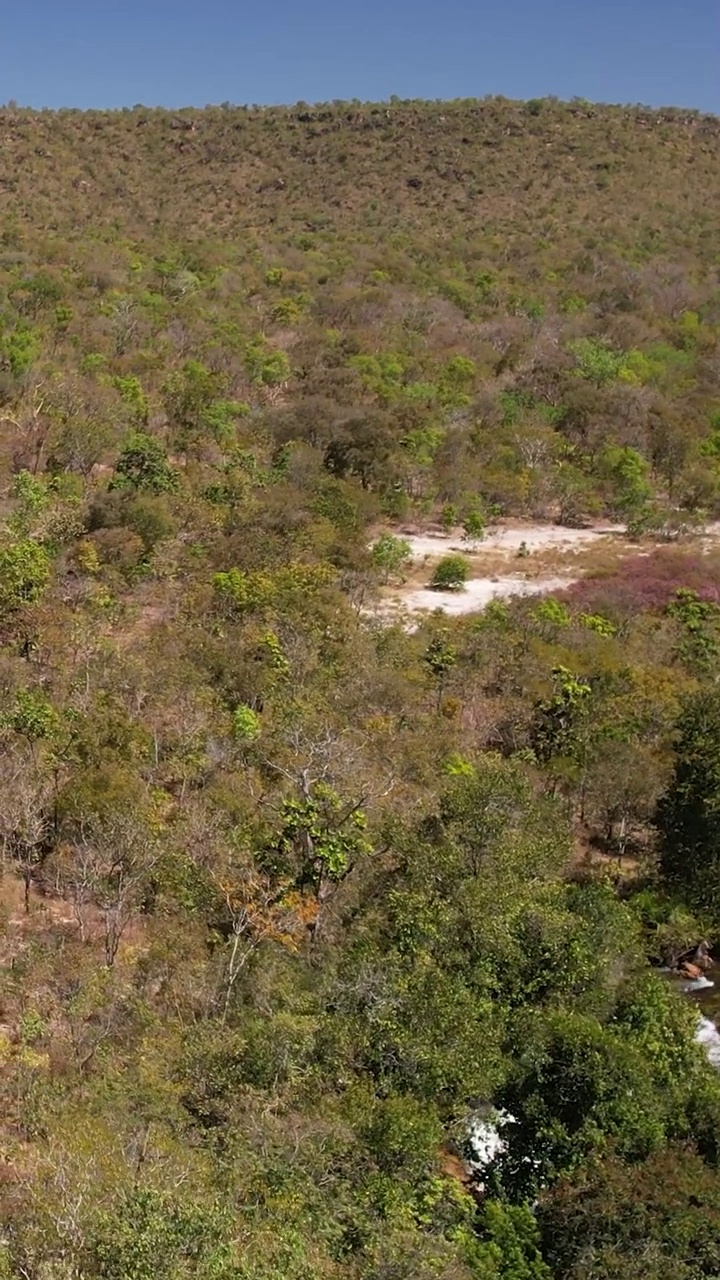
(486, 1132)
(705, 994)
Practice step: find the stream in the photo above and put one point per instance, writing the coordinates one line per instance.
(486, 1131)
(705, 995)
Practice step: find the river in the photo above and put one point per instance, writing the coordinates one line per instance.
(705, 994)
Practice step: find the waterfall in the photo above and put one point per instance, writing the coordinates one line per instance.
(485, 1128)
(708, 1036)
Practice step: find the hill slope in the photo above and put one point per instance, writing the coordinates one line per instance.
(566, 252)
(291, 895)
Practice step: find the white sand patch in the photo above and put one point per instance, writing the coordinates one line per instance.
(479, 592)
(536, 537)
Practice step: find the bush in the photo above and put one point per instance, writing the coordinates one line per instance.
(451, 574)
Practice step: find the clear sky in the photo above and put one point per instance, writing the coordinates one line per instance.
(111, 53)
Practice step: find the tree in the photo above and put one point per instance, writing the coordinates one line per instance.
(391, 554)
(134, 399)
(568, 1094)
(474, 522)
(266, 367)
(321, 840)
(558, 721)
(150, 1235)
(24, 574)
(440, 658)
(143, 465)
(688, 813)
(657, 1219)
(450, 574)
(626, 473)
(509, 1243)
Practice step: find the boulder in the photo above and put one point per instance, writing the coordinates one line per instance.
(689, 970)
(698, 956)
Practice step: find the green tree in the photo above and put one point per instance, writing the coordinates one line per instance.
(510, 1243)
(24, 574)
(474, 522)
(245, 724)
(264, 366)
(556, 729)
(626, 475)
(143, 466)
(440, 658)
(568, 1094)
(699, 622)
(322, 837)
(597, 361)
(150, 1235)
(450, 574)
(390, 555)
(688, 813)
(134, 398)
(658, 1219)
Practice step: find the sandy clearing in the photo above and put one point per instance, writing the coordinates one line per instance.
(505, 542)
(536, 537)
(497, 555)
(478, 594)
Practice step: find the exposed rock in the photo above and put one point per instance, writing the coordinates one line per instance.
(697, 957)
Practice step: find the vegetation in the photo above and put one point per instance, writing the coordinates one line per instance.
(293, 897)
(450, 574)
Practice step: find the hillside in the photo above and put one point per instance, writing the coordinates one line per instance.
(300, 897)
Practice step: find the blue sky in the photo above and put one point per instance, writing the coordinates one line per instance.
(110, 53)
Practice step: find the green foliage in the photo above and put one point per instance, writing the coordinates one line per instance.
(32, 716)
(293, 586)
(628, 475)
(390, 555)
(19, 348)
(449, 517)
(474, 522)
(32, 497)
(24, 574)
(151, 1234)
(510, 1244)
(143, 466)
(384, 375)
(245, 724)
(570, 1094)
(699, 621)
(324, 835)
(558, 721)
(688, 815)
(440, 657)
(597, 623)
(264, 366)
(654, 1220)
(133, 396)
(553, 612)
(450, 573)
(290, 887)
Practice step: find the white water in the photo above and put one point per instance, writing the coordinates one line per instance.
(696, 984)
(486, 1133)
(708, 1036)
(486, 1140)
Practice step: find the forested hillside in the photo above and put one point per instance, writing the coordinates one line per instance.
(302, 905)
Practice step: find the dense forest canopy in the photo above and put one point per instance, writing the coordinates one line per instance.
(301, 904)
